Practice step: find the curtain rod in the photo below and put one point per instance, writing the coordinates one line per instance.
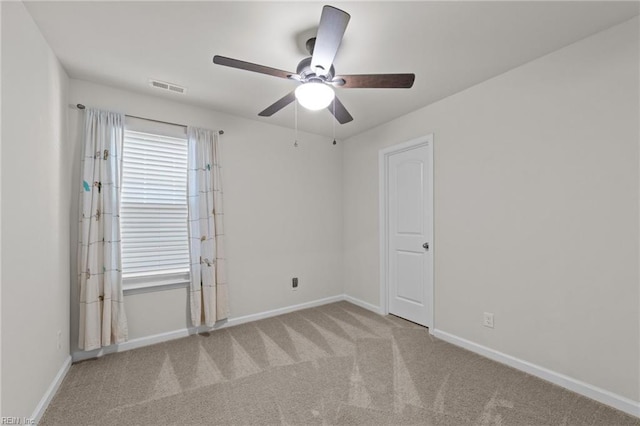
(221, 132)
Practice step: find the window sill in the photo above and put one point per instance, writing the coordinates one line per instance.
(152, 286)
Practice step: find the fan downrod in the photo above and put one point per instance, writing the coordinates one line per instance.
(311, 43)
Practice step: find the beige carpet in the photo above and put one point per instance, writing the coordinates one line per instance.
(335, 364)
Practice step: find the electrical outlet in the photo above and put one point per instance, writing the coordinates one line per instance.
(294, 283)
(487, 320)
(59, 344)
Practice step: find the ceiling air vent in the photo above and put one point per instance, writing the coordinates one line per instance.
(163, 85)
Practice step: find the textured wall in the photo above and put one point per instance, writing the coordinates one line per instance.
(35, 218)
(536, 210)
(283, 211)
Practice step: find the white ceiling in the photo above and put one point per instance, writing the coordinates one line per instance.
(450, 46)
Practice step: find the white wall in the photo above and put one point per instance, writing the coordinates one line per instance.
(536, 210)
(0, 225)
(35, 229)
(283, 211)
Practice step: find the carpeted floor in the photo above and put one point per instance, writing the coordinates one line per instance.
(335, 364)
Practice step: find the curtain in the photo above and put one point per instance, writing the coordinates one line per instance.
(102, 317)
(208, 293)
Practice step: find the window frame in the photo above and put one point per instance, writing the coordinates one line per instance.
(161, 280)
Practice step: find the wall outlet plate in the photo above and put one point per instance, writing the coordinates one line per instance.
(487, 319)
(294, 283)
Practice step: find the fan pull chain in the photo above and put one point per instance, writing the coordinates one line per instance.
(334, 121)
(295, 115)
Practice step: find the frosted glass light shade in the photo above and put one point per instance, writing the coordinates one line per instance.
(314, 96)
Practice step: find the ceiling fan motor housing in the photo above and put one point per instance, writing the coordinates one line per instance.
(307, 74)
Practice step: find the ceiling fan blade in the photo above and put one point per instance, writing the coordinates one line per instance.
(376, 81)
(278, 105)
(333, 24)
(235, 63)
(339, 111)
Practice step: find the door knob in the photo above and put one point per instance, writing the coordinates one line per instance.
(425, 246)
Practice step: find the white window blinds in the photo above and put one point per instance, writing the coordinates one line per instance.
(153, 211)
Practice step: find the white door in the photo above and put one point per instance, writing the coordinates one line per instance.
(410, 234)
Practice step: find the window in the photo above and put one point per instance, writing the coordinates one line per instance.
(153, 210)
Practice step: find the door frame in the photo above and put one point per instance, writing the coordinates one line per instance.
(383, 191)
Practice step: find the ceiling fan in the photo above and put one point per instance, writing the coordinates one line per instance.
(317, 74)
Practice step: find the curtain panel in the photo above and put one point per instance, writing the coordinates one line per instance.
(208, 289)
(102, 317)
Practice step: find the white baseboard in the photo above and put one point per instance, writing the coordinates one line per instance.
(601, 395)
(51, 391)
(366, 305)
(279, 311)
(133, 344)
(178, 334)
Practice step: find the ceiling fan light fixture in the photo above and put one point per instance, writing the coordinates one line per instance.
(315, 95)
